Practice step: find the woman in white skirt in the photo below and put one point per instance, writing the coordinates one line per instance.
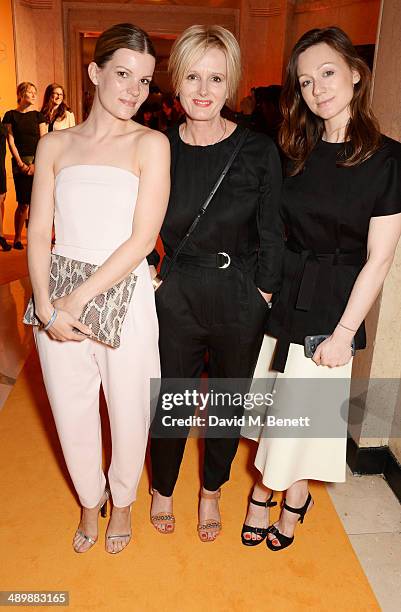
(341, 203)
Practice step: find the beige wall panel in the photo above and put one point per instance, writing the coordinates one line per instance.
(384, 361)
(39, 43)
(81, 17)
(358, 19)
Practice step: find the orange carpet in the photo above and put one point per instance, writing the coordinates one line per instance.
(39, 514)
(13, 264)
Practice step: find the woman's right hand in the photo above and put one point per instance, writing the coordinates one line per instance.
(24, 168)
(65, 327)
(156, 280)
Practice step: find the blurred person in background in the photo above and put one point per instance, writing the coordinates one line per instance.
(25, 126)
(266, 116)
(148, 116)
(3, 185)
(55, 109)
(167, 116)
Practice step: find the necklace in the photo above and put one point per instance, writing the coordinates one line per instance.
(211, 143)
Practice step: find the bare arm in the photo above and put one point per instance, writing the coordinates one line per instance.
(39, 241)
(154, 188)
(383, 237)
(40, 228)
(12, 146)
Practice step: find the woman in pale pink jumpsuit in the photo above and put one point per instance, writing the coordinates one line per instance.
(100, 183)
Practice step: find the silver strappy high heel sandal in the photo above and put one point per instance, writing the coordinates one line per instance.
(123, 536)
(102, 508)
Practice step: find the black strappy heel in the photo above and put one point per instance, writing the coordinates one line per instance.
(260, 531)
(283, 539)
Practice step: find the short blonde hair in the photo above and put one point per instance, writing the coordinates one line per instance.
(193, 42)
(23, 88)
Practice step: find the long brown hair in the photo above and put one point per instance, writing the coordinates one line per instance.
(301, 129)
(47, 105)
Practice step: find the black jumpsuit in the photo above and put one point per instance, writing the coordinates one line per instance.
(218, 311)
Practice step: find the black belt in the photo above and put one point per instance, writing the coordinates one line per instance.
(309, 269)
(303, 288)
(221, 260)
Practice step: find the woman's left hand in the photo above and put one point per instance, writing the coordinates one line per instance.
(31, 170)
(70, 304)
(333, 352)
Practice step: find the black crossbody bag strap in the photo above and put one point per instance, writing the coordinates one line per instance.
(206, 203)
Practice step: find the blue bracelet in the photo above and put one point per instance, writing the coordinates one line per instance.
(51, 320)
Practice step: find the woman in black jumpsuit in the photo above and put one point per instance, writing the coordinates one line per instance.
(341, 203)
(215, 299)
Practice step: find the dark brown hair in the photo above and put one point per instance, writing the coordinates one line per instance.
(301, 129)
(121, 36)
(47, 105)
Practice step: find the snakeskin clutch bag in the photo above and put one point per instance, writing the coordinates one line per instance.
(104, 314)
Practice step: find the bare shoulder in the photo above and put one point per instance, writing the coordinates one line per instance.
(152, 145)
(48, 145)
(148, 138)
(52, 145)
(58, 138)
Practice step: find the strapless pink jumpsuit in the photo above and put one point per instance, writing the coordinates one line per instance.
(94, 208)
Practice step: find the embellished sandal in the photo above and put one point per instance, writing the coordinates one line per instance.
(102, 508)
(126, 536)
(163, 518)
(284, 540)
(260, 531)
(209, 524)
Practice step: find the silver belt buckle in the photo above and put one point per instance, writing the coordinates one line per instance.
(225, 265)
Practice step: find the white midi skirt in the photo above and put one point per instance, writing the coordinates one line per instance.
(303, 425)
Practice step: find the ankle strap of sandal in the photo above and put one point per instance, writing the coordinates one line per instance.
(215, 495)
(300, 511)
(267, 504)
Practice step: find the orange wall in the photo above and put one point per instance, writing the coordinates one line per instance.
(7, 96)
(267, 36)
(359, 20)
